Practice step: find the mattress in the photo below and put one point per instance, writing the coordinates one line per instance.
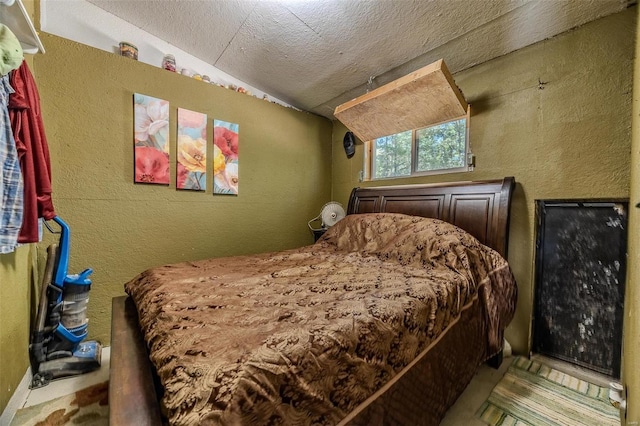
(306, 336)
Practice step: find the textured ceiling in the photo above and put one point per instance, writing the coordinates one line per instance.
(317, 54)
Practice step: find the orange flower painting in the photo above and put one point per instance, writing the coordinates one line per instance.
(192, 150)
(151, 145)
(225, 157)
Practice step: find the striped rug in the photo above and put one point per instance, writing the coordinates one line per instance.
(533, 394)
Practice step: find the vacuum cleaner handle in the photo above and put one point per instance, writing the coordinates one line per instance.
(63, 260)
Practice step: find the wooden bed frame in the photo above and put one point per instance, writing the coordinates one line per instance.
(481, 208)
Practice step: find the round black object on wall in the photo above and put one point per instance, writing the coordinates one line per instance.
(349, 143)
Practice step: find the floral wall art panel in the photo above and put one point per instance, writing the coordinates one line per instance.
(225, 157)
(151, 146)
(192, 150)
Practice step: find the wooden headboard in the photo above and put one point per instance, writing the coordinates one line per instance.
(480, 208)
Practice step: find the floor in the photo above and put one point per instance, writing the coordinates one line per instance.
(462, 413)
(68, 385)
(464, 410)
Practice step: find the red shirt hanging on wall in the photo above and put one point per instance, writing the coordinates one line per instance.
(33, 151)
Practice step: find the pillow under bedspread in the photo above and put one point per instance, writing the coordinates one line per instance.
(304, 336)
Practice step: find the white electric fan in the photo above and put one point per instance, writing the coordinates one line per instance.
(330, 214)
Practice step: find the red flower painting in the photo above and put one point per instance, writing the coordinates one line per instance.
(227, 141)
(151, 140)
(225, 157)
(183, 175)
(152, 166)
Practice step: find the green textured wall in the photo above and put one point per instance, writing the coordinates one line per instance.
(17, 277)
(566, 138)
(631, 344)
(15, 293)
(119, 228)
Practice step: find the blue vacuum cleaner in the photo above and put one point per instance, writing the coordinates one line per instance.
(57, 349)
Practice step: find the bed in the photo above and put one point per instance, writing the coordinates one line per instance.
(384, 320)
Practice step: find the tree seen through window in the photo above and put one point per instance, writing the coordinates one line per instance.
(440, 147)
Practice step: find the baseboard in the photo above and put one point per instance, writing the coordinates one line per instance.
(17, 400)
(506, 349)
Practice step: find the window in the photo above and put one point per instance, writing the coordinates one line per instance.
(442, 148)
(392, 156)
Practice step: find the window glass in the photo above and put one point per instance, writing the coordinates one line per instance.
(441, 147)
(437, 149)
(392, 155)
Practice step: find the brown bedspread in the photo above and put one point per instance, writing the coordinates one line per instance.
(304, 336)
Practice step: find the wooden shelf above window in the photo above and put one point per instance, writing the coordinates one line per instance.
(423, 98)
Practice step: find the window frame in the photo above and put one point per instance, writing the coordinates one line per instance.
(369, 166)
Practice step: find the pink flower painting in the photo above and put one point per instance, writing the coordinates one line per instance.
(151, 145)
(226, 140)
(225, 161)
(152, 165)
(192, 150)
